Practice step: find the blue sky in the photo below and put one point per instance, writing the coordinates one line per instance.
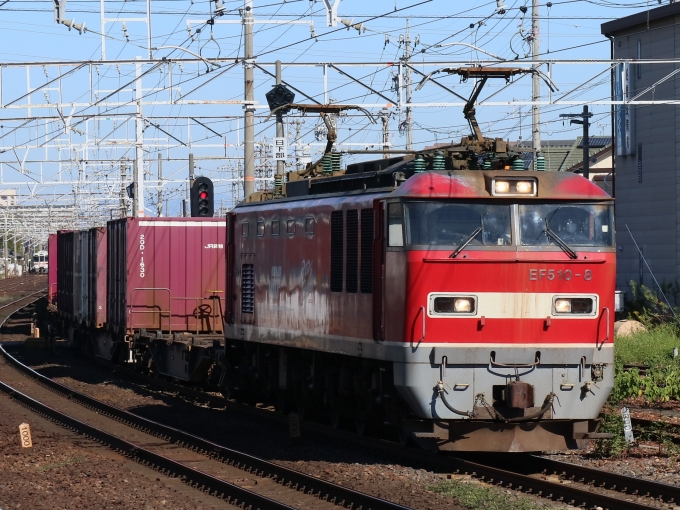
(569, 30)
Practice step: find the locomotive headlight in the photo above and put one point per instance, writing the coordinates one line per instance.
(575, 305)
(525, 187)
(463, 305)
(563, 305)
(502, 186)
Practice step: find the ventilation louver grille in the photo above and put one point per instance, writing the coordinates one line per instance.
(367, 251)
(352, 282)
(337, 250)
(247, 288)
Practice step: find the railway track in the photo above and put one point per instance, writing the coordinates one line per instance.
(236, 477)
(548, 478)
(570, 483)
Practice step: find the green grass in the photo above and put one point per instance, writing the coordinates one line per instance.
(651, 347)
(475, 496)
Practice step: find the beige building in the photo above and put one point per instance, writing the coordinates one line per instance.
(8, 197)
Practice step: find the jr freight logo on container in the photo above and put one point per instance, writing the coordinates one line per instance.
(214, 246)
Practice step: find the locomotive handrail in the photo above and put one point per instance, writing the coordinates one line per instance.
(422, 310)
(493, 362)
(606, 339)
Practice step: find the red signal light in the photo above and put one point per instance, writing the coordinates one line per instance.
(203, 195)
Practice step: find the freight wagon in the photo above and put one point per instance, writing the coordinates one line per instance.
(146, 290)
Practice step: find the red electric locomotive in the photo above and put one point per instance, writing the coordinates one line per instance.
(471, 309)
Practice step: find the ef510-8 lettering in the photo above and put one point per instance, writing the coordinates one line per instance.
(559, 274)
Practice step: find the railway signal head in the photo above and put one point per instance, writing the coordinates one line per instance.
(202, 198)
(279, 96)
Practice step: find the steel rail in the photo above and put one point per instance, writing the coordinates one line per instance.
(220, 488)
(481, 470)
(507, 477)
(620, 483)
(322, 489)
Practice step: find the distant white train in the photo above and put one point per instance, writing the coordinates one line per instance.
(39, 263)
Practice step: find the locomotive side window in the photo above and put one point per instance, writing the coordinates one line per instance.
(367, 251)
(352, 282)
(244, 229)
(276, 227)
(260, 227)
(337, 250)
(290, 226)
(575, 224)
(447, 224)
(395, 225)
(310, 224)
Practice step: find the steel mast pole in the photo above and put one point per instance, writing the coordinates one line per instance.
(4, 243)
(139, 144)
(249, 126)
(535, 82)
(280, 165)
(407, 83)
(159, 205)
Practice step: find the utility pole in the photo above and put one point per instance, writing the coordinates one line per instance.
(535, 81)
(280, 165)
(135, 187)
(139, 145)
(4, 244)
(586, 146)
(407, 84)
(159, 205)
(191, 170)
(385, 118)
(249, 125)
(123, 176)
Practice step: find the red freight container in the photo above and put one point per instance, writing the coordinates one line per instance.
(52, 269)
(66, 272)
(81, 291)
(166, 274)
(97, 253)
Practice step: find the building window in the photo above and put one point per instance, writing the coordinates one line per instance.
(337, 250)
(260, 227)
(310, 224)
(367, 251)
(244, 229)
(639, 158)
(276, 226)
(352, 282)
(290, 226)
(639, 56)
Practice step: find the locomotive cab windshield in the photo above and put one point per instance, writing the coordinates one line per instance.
(446, 224)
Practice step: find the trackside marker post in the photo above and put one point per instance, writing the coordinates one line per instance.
(25, 436)
(627, 425)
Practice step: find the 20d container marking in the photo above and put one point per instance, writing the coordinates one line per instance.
(142, 243)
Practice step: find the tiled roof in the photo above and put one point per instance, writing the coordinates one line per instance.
(561, 155)
(597, 141)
